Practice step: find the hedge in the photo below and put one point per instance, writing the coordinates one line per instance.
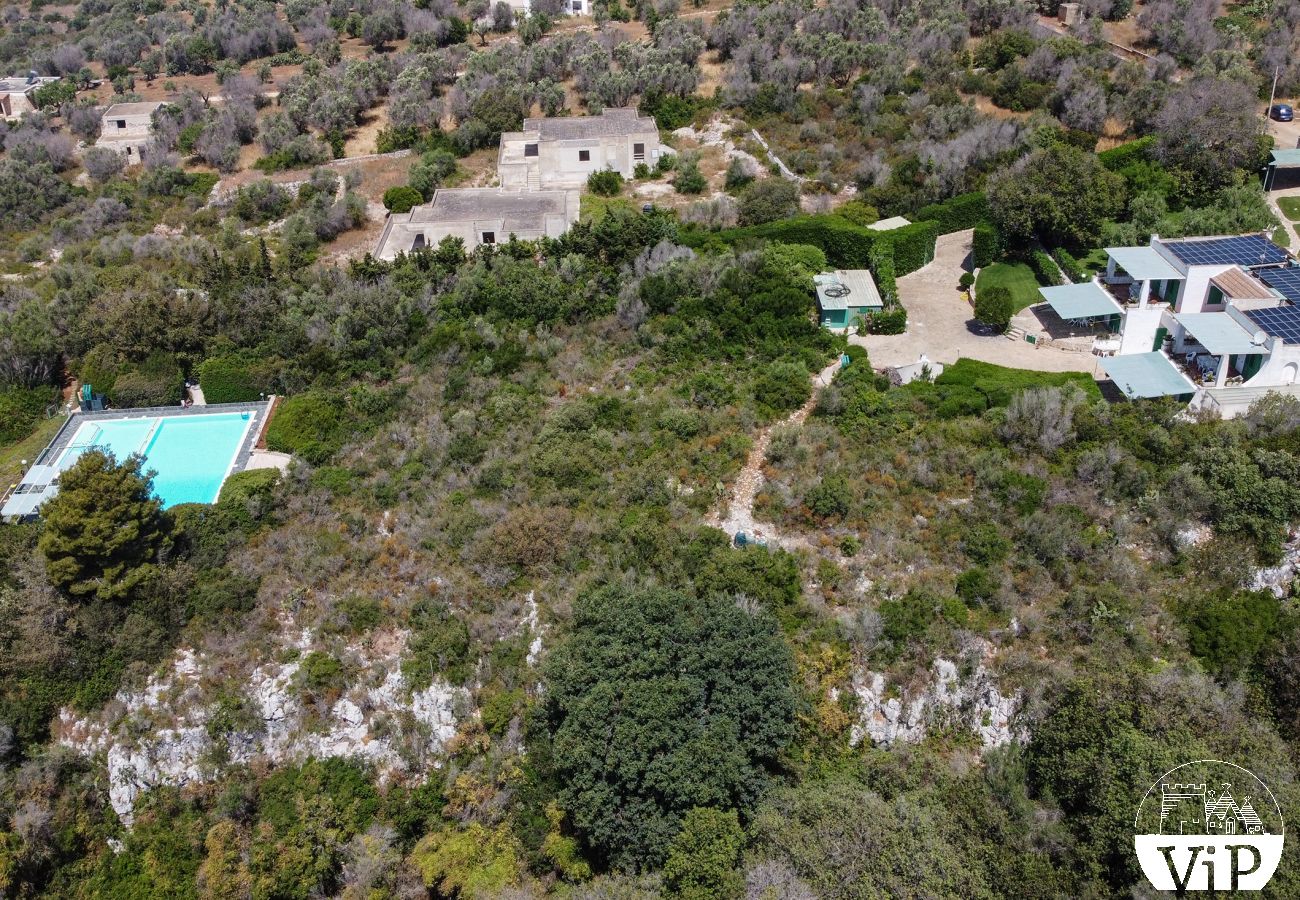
(999, 383)
(847, 246)
(986, 246)
(1069, 265)
(307, 425)
(889, 321)
(233, 379)
(959, 213)
(21, 408)
(1117, 158)
(1044, 269)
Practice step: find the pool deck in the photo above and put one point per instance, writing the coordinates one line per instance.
(75, 420)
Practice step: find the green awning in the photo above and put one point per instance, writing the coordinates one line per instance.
(1219, 333)
(1088, 300)
(1285, 159)
(1146, 375)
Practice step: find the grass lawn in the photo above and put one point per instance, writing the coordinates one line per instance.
(1095, 262)
(12, 456)
(1282, 236)
(1018, 278)
(1290, 207)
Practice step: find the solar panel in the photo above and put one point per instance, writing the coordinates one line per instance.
(1285, 281)
(1244, 250)
(1278, 321)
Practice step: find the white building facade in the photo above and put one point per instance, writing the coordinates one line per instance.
(559, 153)
(479, 216)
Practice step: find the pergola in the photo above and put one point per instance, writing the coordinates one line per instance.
(1146, 375)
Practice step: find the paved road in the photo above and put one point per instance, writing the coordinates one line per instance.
(939, 323)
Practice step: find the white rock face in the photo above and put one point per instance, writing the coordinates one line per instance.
(974, 703)
(160, 735)
(1278, 578)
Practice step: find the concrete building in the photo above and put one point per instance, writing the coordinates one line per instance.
(479, 216)
(128, 128)
(561, 152)
(16, 94)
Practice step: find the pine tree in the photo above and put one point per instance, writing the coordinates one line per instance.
(103, 530)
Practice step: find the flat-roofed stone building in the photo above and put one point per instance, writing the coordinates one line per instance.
(128, 128)
(479, 216)
(561, 152)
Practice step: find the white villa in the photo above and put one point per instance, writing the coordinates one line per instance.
(561, 152)
(570, 7)
(479, 216)
(127, 128)
(1215, 319)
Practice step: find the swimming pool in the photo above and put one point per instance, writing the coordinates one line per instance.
(191, 454)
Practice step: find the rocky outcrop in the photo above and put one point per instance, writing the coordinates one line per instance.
(1279, 579)
(973, 702)
(178, 731)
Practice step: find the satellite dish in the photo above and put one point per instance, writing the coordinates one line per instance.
(1259, 338)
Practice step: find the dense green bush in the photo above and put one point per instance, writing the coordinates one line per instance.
(306, 425)
(703, 684)
(605, 183)
(155, 382)
(402, 198)
(248, 496)
(233, 379)
(999, 384)
(957, 214)
(888, 321)
(21, 408)
(1044, 268)
(1069, 265)
(986, 246)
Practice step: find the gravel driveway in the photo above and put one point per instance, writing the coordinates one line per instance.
(939, 323)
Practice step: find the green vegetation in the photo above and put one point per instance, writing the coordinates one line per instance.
(1290, 207)
(402, 199)
(994, 307)
(704, 681)
(605, 183)
(1017, 279)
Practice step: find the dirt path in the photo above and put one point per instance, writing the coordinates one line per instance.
(739, 501)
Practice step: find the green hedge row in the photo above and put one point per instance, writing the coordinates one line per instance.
(986, 246)
(1117, 158)
(957, 214)
(1044, 269)
(1069, 265)
(235, 379)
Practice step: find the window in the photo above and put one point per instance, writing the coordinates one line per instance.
(530, 149)
(128, 151)
(577, 6)
(584, 156)
(121, 123)
(418, 242)
(638, 151)
(489, 237)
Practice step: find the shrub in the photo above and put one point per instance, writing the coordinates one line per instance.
(605, 183)
(986, 246)
(966, 280)
(782, 386)
(21, 408)
(738, 174)
(248, 496)
(306, 425)
(994, 307)
(957, 214)
(155, 382)
(402, 199)
(690, 180)
(888, 321)
(1044, 269)
(829, 498)
(976, 585)
(768, 200)
(232, 379)
(1069, 265)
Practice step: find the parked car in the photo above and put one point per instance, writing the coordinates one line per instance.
(1281, 112)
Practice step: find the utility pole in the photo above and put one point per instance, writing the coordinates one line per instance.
(1272, 94)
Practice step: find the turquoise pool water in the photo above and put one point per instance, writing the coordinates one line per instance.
(190, 455)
